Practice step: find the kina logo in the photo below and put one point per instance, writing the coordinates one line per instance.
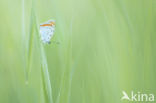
(138, 96)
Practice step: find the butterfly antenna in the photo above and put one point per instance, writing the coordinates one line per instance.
(55, 42)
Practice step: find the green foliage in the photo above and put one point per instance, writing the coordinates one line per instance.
(105, 46)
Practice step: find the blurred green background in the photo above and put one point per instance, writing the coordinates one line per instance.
(105, 47)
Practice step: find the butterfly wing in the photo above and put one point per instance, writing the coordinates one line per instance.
(46, 33)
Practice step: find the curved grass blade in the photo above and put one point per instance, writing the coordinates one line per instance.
(46, 84)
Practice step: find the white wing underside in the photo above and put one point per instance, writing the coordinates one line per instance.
(46, 33)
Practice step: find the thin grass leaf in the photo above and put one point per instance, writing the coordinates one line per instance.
(44, 67)
(30, 44)
(23, 40)
(46, 99)
(47, 82)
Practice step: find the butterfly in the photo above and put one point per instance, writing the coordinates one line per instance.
(47, 31)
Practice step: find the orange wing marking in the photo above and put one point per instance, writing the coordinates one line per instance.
(51, 24)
